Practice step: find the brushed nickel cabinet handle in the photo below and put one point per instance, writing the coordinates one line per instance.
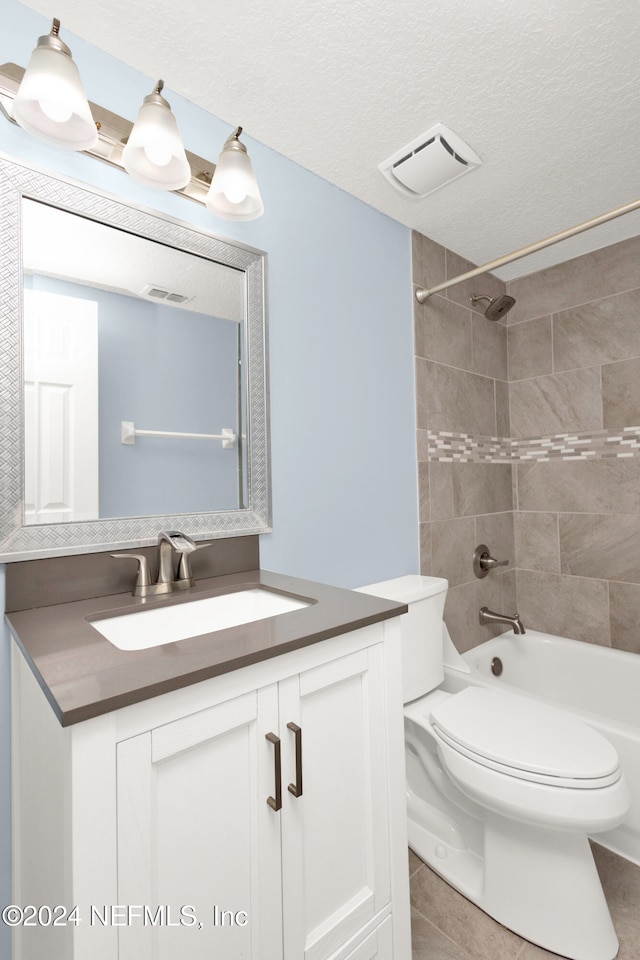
(276, 802)
(296, 788)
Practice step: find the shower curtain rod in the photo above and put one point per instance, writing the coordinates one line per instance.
(422, 293)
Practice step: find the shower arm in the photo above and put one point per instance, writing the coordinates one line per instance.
(423, 294)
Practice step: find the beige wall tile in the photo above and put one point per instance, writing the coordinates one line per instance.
(579, 486)
(422, 444)
(422, 388)
(594, 341)
(575, 607)
(599, 332)
(537, 544)
(624, 607)
(426, 569)
(443, 332)
(457, 400)
(461, 615)
(590, 277)
(485, 285)
(514, 486)
(481, 488)
(509, 585)
(424, 503)
(563, 485)
(489, 347)
(429, 266)
(441, 486)
(462, 610)
(529, 348)
(452, 546)
(503, 428)
(603, 546)
(556, 404)
(623, 483)
(496, 531)
(621, 393)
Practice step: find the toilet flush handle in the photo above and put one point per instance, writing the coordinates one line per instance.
(483, 562)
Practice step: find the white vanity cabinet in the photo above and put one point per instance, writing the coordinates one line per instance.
(258, 815)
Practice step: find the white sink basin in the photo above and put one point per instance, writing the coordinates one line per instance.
(151, 628)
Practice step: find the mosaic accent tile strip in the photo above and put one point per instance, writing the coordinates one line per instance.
(449, 447)
(462, 447)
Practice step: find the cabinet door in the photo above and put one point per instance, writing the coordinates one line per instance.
(198, 846)
(376, 946)
(335, 837)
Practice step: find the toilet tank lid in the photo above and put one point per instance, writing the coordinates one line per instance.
(406, 589)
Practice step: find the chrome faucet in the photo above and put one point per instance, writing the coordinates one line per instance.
(488, 616)
(171, 575)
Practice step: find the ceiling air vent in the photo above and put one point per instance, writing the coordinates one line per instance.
(158, 293)
(429, 162)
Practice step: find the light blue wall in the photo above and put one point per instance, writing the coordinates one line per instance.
(340, 339)
(164, 369)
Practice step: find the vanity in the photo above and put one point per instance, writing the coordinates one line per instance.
(236, 794)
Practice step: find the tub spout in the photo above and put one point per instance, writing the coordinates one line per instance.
(488, 616)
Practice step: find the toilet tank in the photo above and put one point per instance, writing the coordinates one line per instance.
(422, 659)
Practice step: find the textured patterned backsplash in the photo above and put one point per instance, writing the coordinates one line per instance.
(445, 446)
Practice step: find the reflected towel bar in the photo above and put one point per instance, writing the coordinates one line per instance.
(130, 432)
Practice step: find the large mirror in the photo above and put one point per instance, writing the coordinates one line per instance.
(134, 394)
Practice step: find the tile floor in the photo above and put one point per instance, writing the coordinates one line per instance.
(446, 926)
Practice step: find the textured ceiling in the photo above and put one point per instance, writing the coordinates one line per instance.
(546, 94)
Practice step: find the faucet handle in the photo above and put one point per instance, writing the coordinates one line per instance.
(143, 579)
(184, 564)
(483, 562)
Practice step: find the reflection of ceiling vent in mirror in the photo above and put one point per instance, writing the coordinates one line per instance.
(157, 293)
(429, 162)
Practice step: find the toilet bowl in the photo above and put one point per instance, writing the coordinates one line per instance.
(503, 791)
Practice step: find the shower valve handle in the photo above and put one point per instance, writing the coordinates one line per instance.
(483, 562)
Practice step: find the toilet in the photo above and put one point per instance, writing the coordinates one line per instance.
(503, 790)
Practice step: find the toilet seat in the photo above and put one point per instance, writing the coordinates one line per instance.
(557, 774)
(522, 738)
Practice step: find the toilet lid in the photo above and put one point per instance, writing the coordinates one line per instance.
(523, 735)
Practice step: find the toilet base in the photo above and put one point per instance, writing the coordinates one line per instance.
(542, 884)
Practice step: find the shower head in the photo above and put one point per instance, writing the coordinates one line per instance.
(498, 306)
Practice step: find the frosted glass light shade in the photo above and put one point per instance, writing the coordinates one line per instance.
(234, 193)
(51, 103)
(154, 154)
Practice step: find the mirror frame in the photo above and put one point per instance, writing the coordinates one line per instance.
(26, 542)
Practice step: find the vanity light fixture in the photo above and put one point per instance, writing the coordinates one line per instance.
(51, 102)
(154, 154)
(234, 191)
(48, 101)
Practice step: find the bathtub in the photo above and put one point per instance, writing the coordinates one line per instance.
(597, 684)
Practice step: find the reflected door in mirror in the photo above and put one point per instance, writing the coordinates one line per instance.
(61, 408)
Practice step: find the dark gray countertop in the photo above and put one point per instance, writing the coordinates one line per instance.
(83, 675)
